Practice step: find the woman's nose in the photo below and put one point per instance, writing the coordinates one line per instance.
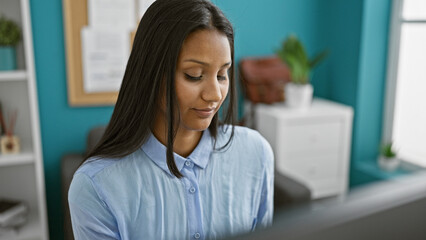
(211, 91)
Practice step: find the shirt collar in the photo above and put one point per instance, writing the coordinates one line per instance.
(156, 151)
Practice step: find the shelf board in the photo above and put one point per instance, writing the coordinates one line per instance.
(17, 75)
(16, 159)
(30, 230)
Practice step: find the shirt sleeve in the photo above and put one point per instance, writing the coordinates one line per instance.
(266, 208)
(90, 216)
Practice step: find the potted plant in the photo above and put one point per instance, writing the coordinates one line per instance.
(387, 159)
(298, 93)
(10, 35)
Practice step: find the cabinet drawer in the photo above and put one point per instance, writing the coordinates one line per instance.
(309, 136)
(310, 166)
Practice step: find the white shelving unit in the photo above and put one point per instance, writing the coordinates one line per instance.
(22, 175)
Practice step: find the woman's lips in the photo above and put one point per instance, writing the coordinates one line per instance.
(204, 112)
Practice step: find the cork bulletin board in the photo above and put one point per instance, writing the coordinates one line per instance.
(75, 18)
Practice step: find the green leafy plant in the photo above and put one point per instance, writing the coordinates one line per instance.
(10, 33)
(387, 150)
(294, 55)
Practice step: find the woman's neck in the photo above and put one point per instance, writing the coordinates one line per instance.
(185, 141)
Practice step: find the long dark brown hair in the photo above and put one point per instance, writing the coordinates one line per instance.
(151, 70)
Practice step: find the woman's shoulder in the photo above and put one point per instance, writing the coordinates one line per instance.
(246, 132)
(82, 185)
(245, 139)
(247, 151)
(92, 166)
(96, 165)
(242, 135)
(99, 175)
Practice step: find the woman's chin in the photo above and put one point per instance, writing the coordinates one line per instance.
(201, 126)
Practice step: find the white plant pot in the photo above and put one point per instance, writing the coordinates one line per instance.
(388, 164)
(298, 96)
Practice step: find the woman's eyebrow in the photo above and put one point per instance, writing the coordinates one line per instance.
(206, 64)
(197, 61)
(227, 64)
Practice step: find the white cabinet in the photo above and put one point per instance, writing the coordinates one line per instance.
(311, 145)
(22, 175)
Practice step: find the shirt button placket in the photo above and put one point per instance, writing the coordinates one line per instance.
(193, 201)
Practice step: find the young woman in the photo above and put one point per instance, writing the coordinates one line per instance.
(165, 167)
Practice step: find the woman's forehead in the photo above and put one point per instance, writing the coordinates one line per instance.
(206, 46)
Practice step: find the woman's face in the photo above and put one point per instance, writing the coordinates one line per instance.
(202, 79)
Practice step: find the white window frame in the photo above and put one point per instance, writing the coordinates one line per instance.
(392, 72)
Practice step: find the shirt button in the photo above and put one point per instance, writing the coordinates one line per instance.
(197, 235)
(187, 163)
(192, 190)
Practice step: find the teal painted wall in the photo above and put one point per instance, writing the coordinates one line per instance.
(344, 30)
(371, 86)
(358, 33)
(63, 128)
(260, 26)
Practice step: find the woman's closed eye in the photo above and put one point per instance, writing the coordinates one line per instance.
(221, 78)
(222, 75)
(196, 78)
(193, 78)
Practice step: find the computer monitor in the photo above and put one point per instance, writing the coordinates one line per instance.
(391, 210)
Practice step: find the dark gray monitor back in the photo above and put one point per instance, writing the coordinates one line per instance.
(392, 210)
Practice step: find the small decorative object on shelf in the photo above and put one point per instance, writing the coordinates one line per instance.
(387, 159)
(298, 93)
(9, 142)
(10, 35)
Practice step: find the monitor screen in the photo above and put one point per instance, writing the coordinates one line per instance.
(388, 210)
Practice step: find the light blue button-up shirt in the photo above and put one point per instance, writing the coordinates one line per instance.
(223, 192)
